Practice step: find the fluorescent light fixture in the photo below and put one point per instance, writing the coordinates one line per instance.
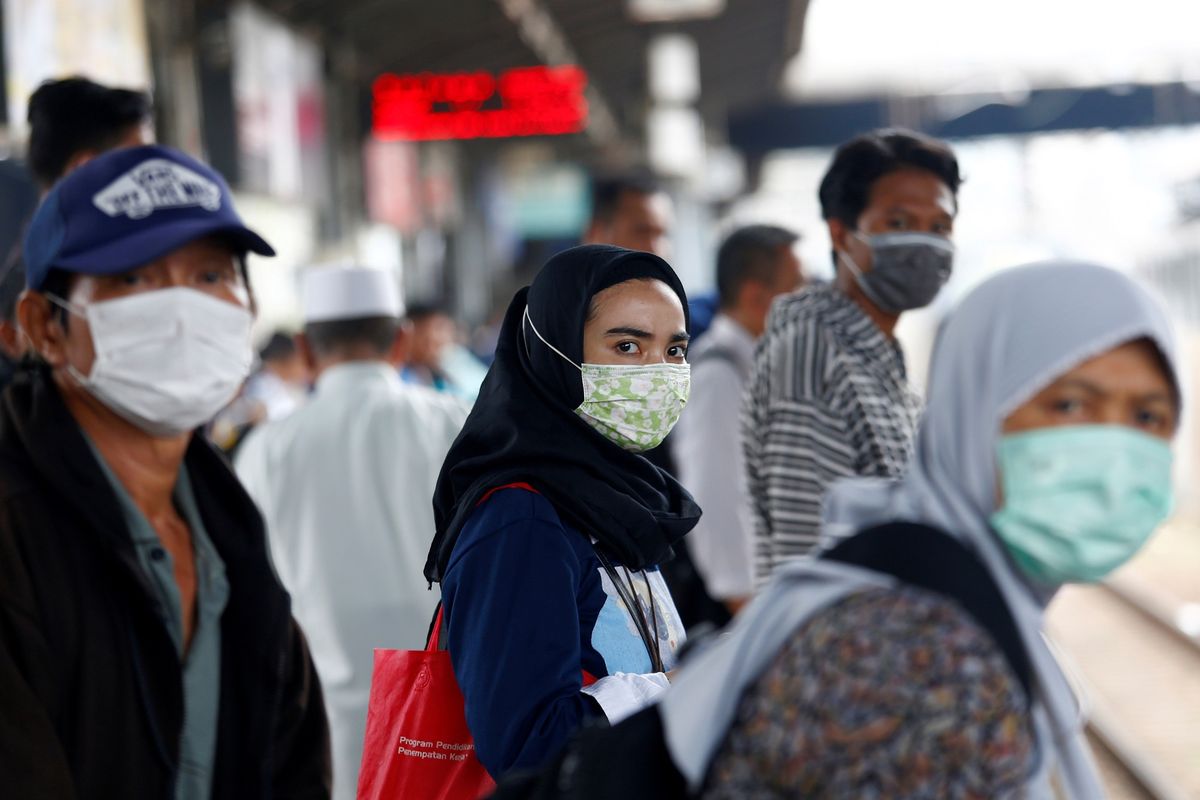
(674, 62)
(673, 10)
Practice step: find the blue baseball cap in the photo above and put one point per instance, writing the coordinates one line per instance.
(128, 207)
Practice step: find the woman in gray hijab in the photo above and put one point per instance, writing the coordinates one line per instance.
(1044, 451)
(907, 659)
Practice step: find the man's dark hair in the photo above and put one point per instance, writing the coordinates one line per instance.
(75, 114)
(607, 191)
(424, 310)
(334, 337)
(279, 347)
(860, 162)
(750, 254)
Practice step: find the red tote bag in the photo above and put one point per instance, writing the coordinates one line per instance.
(417, 746)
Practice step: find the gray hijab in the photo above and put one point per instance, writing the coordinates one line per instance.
(1008, 339)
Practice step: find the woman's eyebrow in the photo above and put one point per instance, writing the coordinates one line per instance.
(638, 333)
(624, 330)
(1152, 396)
(1080, 383)
(1157, 396)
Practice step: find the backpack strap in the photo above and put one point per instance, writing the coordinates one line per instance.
(930, 559)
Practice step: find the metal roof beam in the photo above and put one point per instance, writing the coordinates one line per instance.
(829, 123)
(542, 34)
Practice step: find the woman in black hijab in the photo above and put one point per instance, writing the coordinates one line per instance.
(550, 525)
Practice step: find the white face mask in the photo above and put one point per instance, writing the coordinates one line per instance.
(166, 360)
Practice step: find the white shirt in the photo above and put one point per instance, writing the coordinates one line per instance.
(277, 396)
(346, 487)
(707, 446)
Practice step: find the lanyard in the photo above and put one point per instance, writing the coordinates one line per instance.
(629, 596)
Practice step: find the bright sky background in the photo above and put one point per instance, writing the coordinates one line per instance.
(934, 46)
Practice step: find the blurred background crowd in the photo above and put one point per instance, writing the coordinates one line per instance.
(460, 145)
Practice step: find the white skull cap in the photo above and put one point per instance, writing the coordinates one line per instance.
(340, 292)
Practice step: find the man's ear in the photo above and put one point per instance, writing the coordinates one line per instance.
(398, 353)
(78, 159)
(304, 348)
(595, 233)
(760, 297)
(40, 322)
(11, 343)
(748, 295)
(838, 233)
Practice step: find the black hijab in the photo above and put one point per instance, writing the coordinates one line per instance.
(523, 427)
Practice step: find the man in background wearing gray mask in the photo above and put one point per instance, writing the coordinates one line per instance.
(147, 648)
(828, 397)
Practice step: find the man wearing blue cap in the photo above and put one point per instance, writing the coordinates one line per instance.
(146, 647)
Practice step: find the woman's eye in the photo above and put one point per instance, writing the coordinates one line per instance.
(898, 224)
(678, 351)
(1150, 419)
(628, 348)
(1067, 406)
(130, 279)
(212, 276)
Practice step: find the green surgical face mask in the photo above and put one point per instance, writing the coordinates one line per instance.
(633, 406)
(1080, 501)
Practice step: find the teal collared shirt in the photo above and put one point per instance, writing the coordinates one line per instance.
(202, 661)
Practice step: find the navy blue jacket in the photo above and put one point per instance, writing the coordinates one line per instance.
(530, 617)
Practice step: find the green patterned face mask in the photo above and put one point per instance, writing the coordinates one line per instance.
(633, 406)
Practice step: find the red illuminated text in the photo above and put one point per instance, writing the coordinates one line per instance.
(531, 101)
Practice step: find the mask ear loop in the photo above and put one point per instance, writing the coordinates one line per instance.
(857, 272)
(849, 262)
(67, 305)
(844, 257)
(533, 327)
(78, 311)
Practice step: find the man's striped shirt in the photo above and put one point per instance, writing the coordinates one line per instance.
(828, 399)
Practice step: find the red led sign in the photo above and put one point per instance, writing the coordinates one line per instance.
(530, 101)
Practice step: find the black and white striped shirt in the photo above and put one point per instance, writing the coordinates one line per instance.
(828, 399)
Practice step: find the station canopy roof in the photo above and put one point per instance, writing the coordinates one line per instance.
(744, 48)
